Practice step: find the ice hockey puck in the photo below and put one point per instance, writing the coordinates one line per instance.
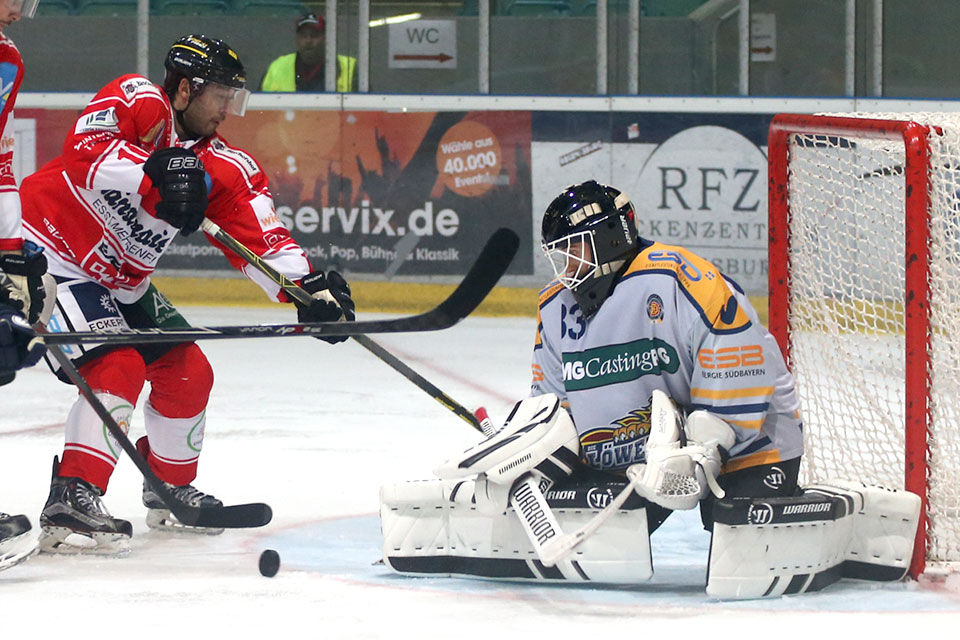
(269, 563)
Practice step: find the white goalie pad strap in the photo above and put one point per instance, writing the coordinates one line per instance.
(539, 434)
(767, 547)
(424, 533)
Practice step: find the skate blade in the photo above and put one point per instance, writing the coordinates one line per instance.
(17, 550)
(64, 541)
(163, 520)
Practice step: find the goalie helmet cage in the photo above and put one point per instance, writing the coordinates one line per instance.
(864, 261)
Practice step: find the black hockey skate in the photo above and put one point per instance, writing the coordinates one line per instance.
(16, 542)
(159, 516)
(74, 520)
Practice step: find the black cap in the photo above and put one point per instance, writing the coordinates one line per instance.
(311, 20)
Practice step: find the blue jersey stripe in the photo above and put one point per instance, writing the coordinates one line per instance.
(756, 445)
(735, 409)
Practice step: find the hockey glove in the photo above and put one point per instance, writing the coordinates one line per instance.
(682, 460)
(179, 177)
(19, 345)
(27, 288)
(331, 300)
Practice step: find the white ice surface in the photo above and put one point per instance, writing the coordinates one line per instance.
(313, 430)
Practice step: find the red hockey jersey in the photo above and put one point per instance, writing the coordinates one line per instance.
(241, 204)
(93, 207)
(11, 75)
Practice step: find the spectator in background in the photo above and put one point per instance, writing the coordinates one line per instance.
(305, 69)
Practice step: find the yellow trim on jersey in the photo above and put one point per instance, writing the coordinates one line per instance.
(537, 372)
(549, 291)
(747, 424)
(752, 460)
(721, 394)
(699, 278)
(545, 294)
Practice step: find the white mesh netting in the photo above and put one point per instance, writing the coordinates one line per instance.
(847, 276)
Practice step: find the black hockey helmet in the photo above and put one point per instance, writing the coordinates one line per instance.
(204, 60)
(589, 233)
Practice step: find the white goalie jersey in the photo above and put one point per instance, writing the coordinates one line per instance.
(673, 323)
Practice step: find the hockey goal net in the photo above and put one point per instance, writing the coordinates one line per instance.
(865, 303)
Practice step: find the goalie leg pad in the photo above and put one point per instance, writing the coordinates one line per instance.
(767, 547)
(539, 435)
(427, 533)
(884, 530)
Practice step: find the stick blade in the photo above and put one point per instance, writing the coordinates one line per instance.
(491, 264)
(240, 516)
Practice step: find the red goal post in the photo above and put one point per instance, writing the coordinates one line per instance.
(864, 223)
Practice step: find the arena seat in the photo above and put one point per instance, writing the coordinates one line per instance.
(538, 8)
(191, 7)
(270, 7)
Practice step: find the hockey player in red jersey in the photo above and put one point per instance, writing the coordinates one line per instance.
(125, 184)
(21, 268)
(22, 288)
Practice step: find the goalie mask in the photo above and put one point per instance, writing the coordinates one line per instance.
(210, 65)
(589, 233)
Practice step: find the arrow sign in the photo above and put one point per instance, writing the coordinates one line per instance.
(423, 44)
(439, 57)
(763, 37)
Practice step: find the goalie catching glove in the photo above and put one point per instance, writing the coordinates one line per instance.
(183, 185)
(683, 460)
(331, 300)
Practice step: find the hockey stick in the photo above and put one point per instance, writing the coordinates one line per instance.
(239, 516)
(559, 547)
(295, 292)
(664, 427)
(492, 262)
(536, 517)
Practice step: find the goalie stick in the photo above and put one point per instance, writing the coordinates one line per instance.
(297, 293)
(557, 549)
(528, 502)
(526, 490)
(493, 261)
(239, 516)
